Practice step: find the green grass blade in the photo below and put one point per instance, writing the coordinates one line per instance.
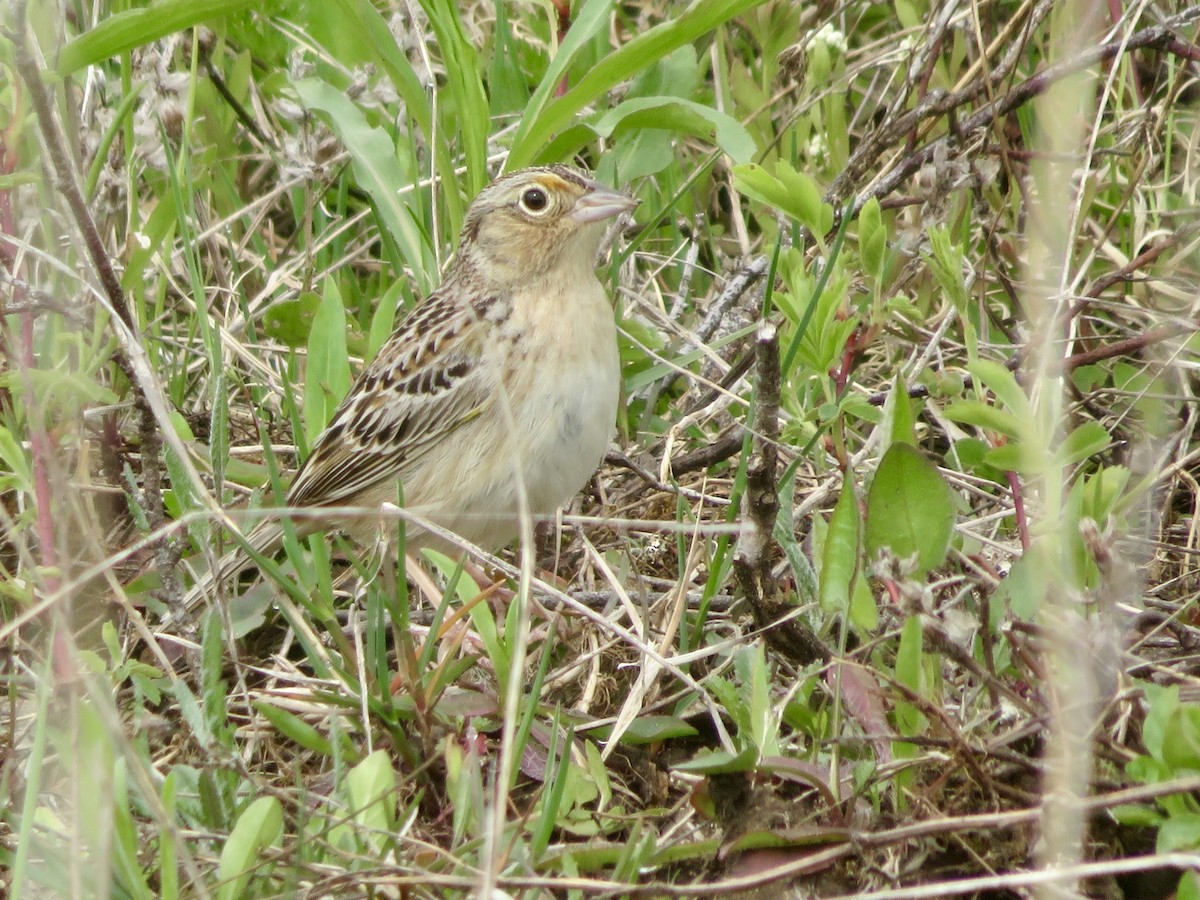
(546, 117)
(378, 172)
(134, 28)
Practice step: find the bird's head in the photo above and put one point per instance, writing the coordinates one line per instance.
(536, 220)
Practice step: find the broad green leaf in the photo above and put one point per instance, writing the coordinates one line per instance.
(820, 62)
(903, 427)
(355, 33)
(1016, 457)
(969, 453)
(1136, 816)
(13, 458)
(910, 14)
(598, 772)
(864, 613)
(1001, 382)
(720, 761)
(327, 376)
(134, 28)
(258, 827)
(909, 665)
(806, 198)
(1145, 770)
(1023, 588)
(1102, 492)
(872, 238)
(757, 183)
(666, 113)
(371, 786)
(639, 154)
(1181, 739)
(649, 729)
(840, 556)
(295, 728)
(686, 117)
(383, 320)
(791, 192)
(1179, 832)
(981, 415)
(910, 509)
(1090, 377)
(67, 391)
(783, 837)
(1085, 441)
(290, 321)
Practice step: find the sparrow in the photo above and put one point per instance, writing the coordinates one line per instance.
(499, 387)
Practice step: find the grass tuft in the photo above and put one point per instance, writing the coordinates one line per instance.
(887, 587)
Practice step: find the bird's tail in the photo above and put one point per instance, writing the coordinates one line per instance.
(266, 538)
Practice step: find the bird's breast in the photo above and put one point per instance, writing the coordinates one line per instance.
(572, 388)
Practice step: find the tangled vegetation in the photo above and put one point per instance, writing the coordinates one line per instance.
(886, 587)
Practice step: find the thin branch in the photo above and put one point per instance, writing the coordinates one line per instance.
(752, 556)
(1159, 36)
(738, 285)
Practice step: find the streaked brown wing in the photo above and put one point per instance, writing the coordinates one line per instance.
(425, 383)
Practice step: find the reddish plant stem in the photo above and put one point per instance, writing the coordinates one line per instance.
(1181, 48)
(62, 169)
(40, 442)
(563, 8)
(859, 338)
(893, 592)
(1124, 347)
(42, 450)
(1014, 484)
(841, 374)
(1126, 272)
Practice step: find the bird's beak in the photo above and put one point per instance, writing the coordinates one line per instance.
(601, 203)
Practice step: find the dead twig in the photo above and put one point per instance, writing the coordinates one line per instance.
(1157, 36)
(710, 454)
(752, 556)
(738, 285)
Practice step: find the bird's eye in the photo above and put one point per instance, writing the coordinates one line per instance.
(535, 200)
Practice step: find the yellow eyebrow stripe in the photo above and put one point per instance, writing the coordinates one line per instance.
(552, 182)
